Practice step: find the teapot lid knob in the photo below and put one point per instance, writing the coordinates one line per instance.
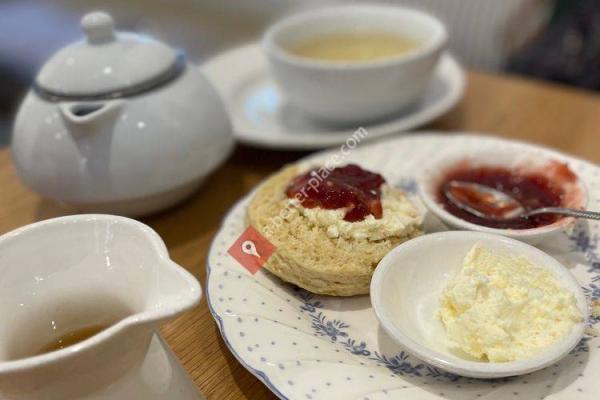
(99, 27)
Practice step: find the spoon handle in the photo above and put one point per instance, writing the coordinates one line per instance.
(566, 211)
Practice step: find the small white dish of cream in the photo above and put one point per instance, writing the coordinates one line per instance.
(479, 305)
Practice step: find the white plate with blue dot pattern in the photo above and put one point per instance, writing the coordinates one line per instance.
(304, 346)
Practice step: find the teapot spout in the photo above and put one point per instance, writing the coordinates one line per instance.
(85, 118)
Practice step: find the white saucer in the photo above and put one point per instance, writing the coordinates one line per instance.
(261, 117)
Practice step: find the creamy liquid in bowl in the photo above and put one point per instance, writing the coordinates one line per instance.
(354, 46)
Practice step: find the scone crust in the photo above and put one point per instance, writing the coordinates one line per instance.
(305, 255)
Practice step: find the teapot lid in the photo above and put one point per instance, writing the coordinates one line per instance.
(107, 63)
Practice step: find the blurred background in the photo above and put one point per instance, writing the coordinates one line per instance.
(555, 40)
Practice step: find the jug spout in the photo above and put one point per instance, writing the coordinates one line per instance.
(86, 118)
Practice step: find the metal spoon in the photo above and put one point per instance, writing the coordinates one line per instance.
(486, 202)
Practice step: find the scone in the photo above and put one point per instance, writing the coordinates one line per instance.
(325, 250)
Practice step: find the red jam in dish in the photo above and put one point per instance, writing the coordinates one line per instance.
(532, 190)
(348, 187)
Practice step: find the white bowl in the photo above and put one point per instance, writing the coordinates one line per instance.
(408, 281)
(516, 157)
(355, 91)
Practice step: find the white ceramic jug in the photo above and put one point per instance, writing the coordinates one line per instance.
(119, 123)
(68, 273)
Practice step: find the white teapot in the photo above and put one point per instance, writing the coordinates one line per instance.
(119, 123)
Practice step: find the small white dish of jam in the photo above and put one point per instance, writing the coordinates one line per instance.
(534, 180)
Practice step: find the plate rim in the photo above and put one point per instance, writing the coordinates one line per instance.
(260, 375)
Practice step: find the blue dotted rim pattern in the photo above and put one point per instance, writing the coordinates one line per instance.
(401, 364)
(263, 377)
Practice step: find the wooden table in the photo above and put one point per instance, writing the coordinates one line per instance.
(555, 116)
